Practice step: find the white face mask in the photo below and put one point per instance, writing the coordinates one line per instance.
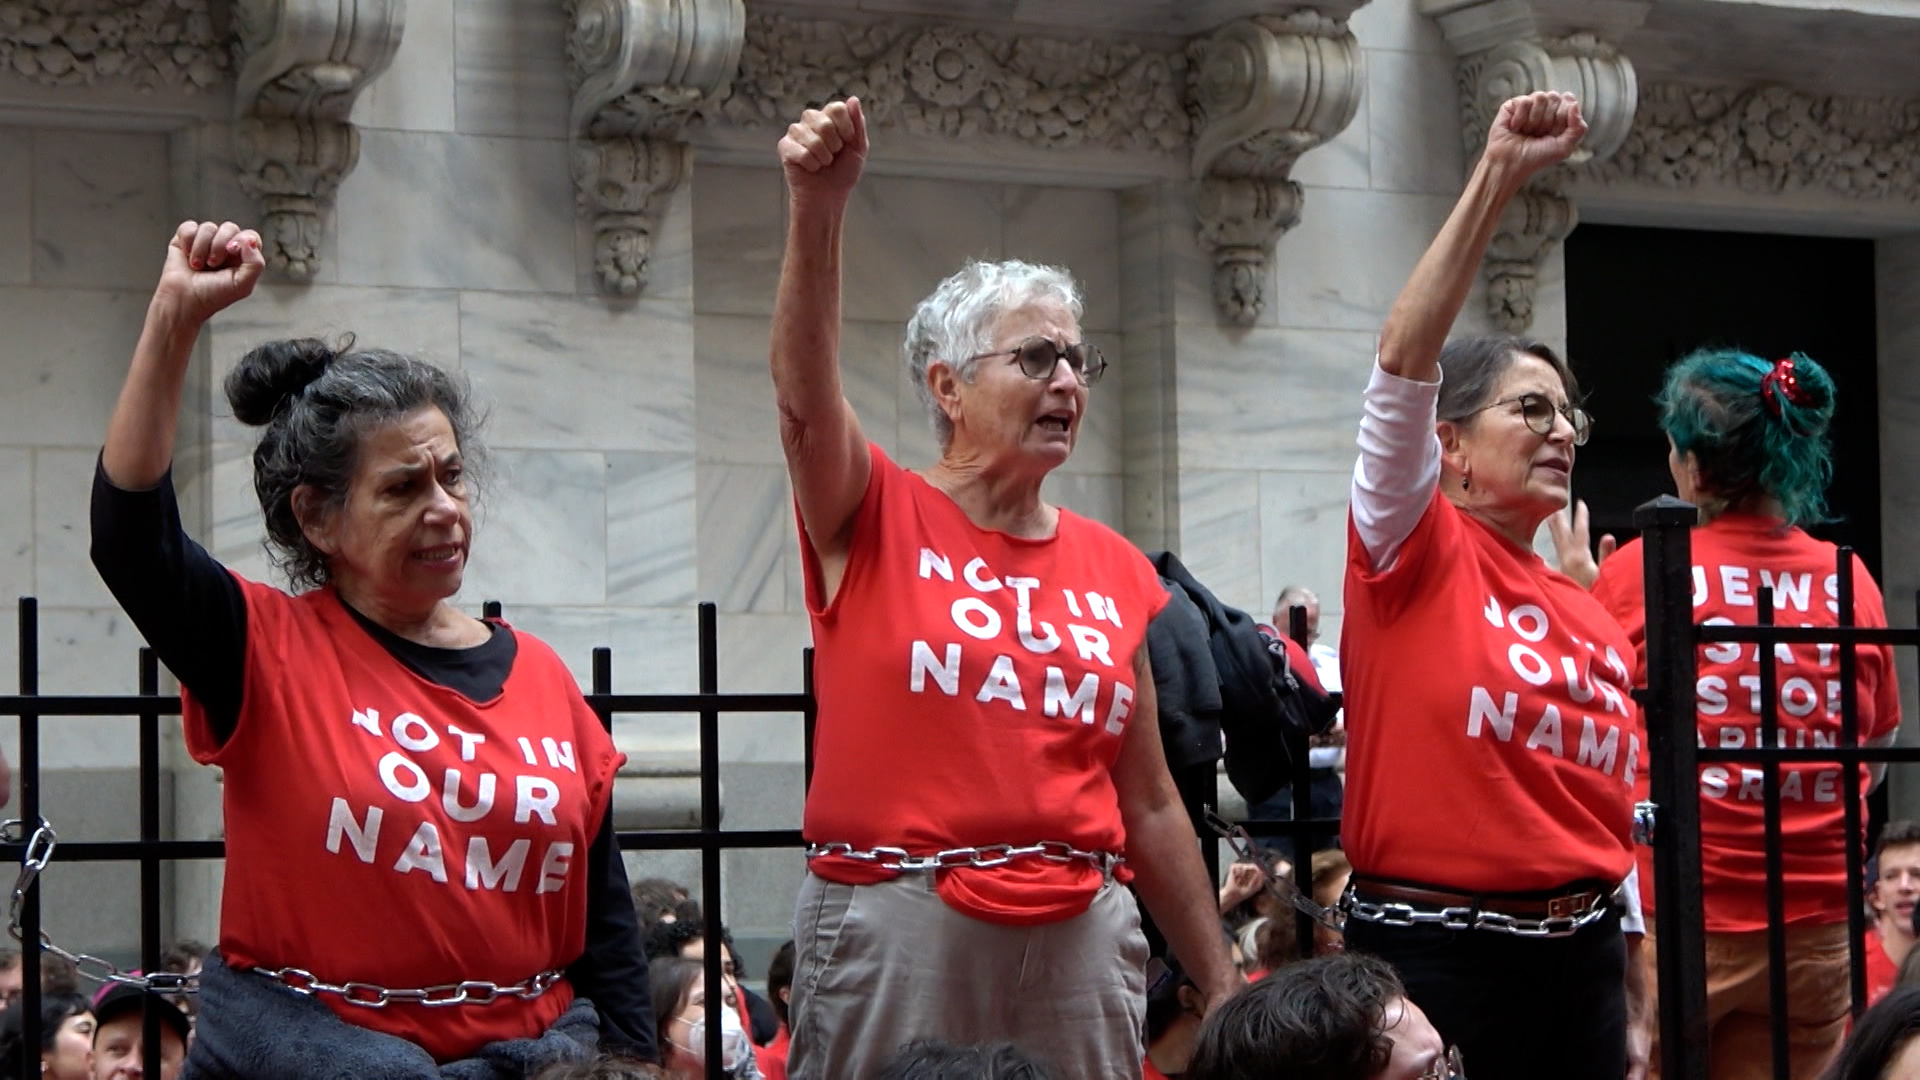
(735, 1048)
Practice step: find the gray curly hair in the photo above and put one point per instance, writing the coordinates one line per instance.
(957, 320)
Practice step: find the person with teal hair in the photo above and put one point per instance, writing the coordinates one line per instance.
(1749, 447)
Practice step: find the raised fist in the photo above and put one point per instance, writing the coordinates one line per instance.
(1536, 132)
(208, 267)
(824, 150)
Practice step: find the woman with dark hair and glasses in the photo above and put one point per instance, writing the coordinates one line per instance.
(1748, 446)
(1492, 744)
(989, 773)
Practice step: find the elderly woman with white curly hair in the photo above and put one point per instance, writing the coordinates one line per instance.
(988, 766)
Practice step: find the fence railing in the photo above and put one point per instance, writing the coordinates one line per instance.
(148, 706)
(1676, 756)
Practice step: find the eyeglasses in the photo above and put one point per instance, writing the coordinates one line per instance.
(1538, 411)
(1038, 357)
(1449, 1066)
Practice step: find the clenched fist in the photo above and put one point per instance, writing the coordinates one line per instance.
(824, 151)
(1535, 132)
(209, 267)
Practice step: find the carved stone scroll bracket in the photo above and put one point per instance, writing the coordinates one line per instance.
(643, 70)
(303, 62)
(1262, 92)
(1540, 217)
(1603, 81)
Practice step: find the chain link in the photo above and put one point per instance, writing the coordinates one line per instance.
(985, 857)
(39, 853)
(370, 996)
(40, 846)
(1470, 918)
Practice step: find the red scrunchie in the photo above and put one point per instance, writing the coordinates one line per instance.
(1782, 381)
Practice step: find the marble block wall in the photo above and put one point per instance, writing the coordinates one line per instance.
(1240, 453)
(1897, 275)
(73, 292)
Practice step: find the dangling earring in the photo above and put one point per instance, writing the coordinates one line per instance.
(1466, 480)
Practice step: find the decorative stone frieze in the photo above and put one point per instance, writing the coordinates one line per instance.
(965, 82)
(1770, 139)
(149, 43)
(303, 62)
(1603, 80)
(642, 71)
(1262, 92)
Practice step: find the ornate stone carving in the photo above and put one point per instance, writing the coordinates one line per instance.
(303, 63)
(964, 83)
(1603, 80)
(150, 43)
(1771, 140)
(642, 70)
(1263, 92)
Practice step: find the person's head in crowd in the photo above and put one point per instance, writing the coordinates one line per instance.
(1175, 1008)
(1882, 1045)
(1275, 944)
(13, 977)
(780, 981)
(1749, 435)
(603, 1068)
(59, 976)
(1509, 420)
(687, 910)
(1341, 1017)
(66, 1038)
(118, 1047)
(185, 957)
(686, 939)
(679, 995)
(365, 470)
(1331, 872)
(654, 901)
(1895, 889)
(1291, 597)
(934, 1060)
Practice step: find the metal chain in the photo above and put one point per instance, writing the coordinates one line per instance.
(370, 996)
(976, 858)
(1470, 918)
(38, 854)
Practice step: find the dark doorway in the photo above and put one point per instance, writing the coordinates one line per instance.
(1639, 299)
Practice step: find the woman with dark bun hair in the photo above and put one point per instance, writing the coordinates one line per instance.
(1748, 446)
(417, 802)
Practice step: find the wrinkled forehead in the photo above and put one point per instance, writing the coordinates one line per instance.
(419, 435)
(1044, 319)
(1528, 374)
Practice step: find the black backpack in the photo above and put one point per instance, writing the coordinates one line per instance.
(1250, 694)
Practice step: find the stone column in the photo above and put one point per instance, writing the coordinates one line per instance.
(1897, 272)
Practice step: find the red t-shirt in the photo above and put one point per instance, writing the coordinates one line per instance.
(1734, 556)
(772, 1058)
(1148, 1072)
(1882, 971)
(1491, 744)
(974, 689)
(384, 829)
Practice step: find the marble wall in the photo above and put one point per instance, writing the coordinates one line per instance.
(1897, 274)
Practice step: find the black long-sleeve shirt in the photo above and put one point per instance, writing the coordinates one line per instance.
(194, 615)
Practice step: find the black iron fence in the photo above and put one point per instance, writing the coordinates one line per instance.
(148, 706)
(1676, 755)
(1669, 708)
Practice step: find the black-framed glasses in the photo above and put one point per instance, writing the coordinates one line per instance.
(1039, 356)
(1538, 410)
(1449, 1066)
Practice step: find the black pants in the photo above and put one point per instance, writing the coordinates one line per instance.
(1518, 1008)
(1326, 794)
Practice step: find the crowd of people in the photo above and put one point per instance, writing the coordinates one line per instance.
(422, 878)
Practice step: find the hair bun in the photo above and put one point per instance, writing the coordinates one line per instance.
(271, 374)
